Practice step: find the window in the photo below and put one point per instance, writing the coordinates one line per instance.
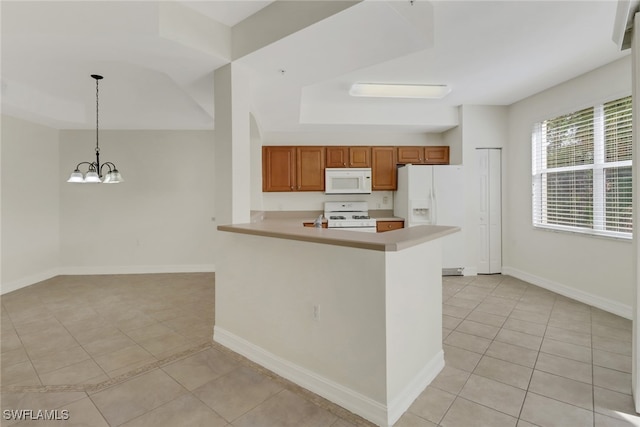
(581, 165)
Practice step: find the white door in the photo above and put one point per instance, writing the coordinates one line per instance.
(489, 166)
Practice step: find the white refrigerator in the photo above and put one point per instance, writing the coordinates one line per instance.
(434, 195)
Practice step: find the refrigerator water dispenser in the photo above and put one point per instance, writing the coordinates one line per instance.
(420, 211)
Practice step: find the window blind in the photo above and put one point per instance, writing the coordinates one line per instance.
(581, 167)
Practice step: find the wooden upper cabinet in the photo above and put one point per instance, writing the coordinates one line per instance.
(359, 157)
(410, 155)
(302, 168)
(287, 168)
(436, 155)
(337, 157)
(310, 168)
(278, 168)
(349, 157)
(433, 155)
(383, 168)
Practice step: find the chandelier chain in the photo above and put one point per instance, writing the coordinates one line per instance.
(97, 118)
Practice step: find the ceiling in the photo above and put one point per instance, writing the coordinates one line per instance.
(158, 59)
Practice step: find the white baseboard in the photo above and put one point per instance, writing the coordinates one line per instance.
(428, 373)
(75, 271)
(374, 411)
(138, 269)
(29, 280)
(605, 304)
(470, 271)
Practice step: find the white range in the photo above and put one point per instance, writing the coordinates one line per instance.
(353, 216)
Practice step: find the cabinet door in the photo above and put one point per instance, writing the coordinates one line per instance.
(310, 168)
(436, 155)
(359, 157)
(383, 168)
(413, 155)
(337, 157)
(278, 168)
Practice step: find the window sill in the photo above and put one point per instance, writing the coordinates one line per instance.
(585, 233)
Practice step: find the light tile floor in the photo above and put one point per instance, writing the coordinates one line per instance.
(136, 350)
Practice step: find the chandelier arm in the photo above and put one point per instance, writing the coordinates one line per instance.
(84, 163)
(107, 164)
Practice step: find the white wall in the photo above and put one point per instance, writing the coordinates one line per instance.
(481, 127)
(453, 138)
(30, 201)
(159, 219)
(256, 165)
(598, 271)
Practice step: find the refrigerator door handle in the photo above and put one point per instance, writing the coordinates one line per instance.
(434, 209)
(434, 204)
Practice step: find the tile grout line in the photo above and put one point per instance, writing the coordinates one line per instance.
(308, 395)
(493, 340)
(94, 388)
(483, 354)
(91, 389)
(533, 369)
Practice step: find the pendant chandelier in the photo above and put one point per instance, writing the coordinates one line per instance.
(94, 169)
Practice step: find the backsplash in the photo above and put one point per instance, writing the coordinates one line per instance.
(314, 200)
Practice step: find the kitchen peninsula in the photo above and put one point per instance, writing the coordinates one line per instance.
(354, 317)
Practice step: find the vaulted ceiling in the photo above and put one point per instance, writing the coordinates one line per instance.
(158, 58)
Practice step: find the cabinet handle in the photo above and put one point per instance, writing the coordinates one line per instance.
(344, 164)
(292, 187)
(389, 226)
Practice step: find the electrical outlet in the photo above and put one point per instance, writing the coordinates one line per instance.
(316, 312)
(385, 200)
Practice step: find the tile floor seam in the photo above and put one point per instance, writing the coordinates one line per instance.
(560, 375)
(483, 405)
(535, 363)
(29, 356)
(99, 411)
(482, 355)
(111, 382)
(308, 395)
(566, 403)
(257, 405)
(90, 355)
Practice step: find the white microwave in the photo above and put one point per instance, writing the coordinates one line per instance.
(347, 180)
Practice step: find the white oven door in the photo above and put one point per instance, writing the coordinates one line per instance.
(364, 229)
